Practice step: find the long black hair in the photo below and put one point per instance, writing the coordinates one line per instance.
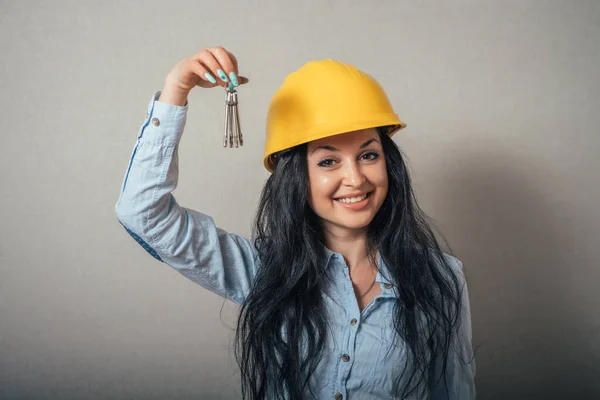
(285, 304)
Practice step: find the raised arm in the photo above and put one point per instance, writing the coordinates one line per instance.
(187, 240)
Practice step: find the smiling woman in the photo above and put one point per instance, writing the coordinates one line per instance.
(344, 289)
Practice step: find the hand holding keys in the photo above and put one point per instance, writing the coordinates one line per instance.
(208, 68)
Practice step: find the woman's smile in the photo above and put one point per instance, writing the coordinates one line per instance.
(354, 203)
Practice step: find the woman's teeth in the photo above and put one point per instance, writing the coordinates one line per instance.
(353, 199)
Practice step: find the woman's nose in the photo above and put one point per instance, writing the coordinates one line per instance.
(353, 175)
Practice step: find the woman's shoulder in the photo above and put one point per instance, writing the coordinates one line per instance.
(453, 261)
(456, 266)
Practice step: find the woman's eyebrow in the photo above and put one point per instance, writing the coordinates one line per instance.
(362, 146)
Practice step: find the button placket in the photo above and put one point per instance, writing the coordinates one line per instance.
(346, 360)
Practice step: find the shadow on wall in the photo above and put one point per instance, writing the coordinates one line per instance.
(518, 254)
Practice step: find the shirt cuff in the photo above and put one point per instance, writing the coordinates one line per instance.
(164, 122)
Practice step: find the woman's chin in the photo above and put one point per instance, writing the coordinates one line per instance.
(351, 223)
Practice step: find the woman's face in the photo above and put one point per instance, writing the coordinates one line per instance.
(342, 170)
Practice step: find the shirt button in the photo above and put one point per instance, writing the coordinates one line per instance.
(338, 396)
(388, 285)
(155, 122)
(353, 322)
(380, 299)
(346, 357)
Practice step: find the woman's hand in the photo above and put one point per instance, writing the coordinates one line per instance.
(210, 67)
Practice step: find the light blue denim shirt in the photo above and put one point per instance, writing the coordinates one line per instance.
(361, 361)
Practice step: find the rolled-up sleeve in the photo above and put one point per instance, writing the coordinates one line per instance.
(187, 240)
(459, 380)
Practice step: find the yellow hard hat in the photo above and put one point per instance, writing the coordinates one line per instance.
(325, 98)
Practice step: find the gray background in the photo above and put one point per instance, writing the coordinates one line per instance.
(502, 104)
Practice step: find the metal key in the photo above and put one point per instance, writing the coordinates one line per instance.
(233, 132)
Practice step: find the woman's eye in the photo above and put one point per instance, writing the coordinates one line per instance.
(371, 156)
(328, 162)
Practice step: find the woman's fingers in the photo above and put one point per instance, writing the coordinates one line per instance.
(217, 66)
(241, 79)
(228, 71)
(206, 80)
(234, 61)
(208, 62)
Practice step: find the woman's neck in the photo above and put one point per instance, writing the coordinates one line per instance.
(351, 245)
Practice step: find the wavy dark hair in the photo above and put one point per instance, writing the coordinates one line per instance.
(285, 303)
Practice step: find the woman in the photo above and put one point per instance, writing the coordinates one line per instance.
(344, 290)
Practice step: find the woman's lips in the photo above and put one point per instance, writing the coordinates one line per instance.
(357, 205)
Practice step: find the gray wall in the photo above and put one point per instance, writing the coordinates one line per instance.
(502, 104)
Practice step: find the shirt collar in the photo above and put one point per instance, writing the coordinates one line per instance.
(391, 289)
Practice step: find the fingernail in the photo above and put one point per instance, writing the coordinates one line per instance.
(210, 78)
(231, 86)
(233, 78)
(222, 75)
